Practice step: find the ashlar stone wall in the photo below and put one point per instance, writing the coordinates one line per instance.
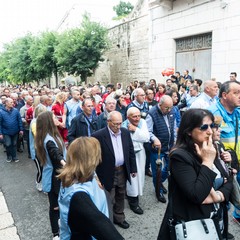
(127, 59)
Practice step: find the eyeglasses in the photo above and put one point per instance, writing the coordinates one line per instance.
(205, 127)
(142, 95)
(168, 108)
(116, 124)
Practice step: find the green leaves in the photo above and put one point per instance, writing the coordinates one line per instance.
(123, 9)
(76, 51)
(79, 50)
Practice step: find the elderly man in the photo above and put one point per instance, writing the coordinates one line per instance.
(23, 111)
(10, 127)
(110, 105)
(84, 124)
(208, 96)
(95, 91)
(228, 108)
(139, 102)
(139, 134)
(161, 122)
(143, 106)
(118, 163)
(193, 95)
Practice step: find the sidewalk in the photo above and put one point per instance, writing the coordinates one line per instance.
(7, 228)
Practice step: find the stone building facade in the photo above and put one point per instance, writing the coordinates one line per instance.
(199, 35)
(127, 58)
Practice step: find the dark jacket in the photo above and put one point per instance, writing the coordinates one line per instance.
(106, 169)
(160, 128)
(143, 110)
(122, 110)
(10, 121)
(224, 174)
(189, 185)
(102, 120)
(79, 127)
(56, 155)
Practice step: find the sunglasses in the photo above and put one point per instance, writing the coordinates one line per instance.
(205, 127)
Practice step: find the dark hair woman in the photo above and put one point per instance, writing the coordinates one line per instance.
(51, 152)
(192, 178)
(161, 89)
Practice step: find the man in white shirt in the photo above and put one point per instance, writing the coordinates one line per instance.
(208, 97)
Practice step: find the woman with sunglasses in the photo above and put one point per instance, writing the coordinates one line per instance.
(191, 180)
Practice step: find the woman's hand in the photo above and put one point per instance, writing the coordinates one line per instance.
(214, 197)
(207, 152)
(226, 156)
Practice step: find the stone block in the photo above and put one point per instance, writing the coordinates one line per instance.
(3, 205)
(6, 220)
(9, 234)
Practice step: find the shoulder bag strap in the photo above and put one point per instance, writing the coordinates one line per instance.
(90, 123)
(236, 133)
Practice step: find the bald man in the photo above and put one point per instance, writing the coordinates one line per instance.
(161, 122)
(118, 163)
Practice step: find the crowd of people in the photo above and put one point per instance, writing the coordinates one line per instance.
(93, 146)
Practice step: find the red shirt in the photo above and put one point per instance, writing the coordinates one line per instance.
(58, 110)
(29, 115)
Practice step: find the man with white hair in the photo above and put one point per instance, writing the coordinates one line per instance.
(110, 105)
(139, 102)
(23, 111)
(118, 163)
(208, 96)
(139, 134)
(143, 106)
(161, 122)
(95, 93)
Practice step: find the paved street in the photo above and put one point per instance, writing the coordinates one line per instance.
(29, 208)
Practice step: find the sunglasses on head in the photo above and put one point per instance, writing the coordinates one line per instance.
(204, 127)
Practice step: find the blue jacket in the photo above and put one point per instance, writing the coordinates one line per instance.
(32, 140)
(65, 195)
(228, 126)
(10, 122)
(47, 173)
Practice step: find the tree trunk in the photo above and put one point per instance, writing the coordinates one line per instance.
(84, 77)
(56, 76)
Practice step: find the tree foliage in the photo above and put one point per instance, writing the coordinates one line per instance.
(5, 72)
(19, 60)
(42, 54)
(123, 8)
(80, 50)
(33, 58)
